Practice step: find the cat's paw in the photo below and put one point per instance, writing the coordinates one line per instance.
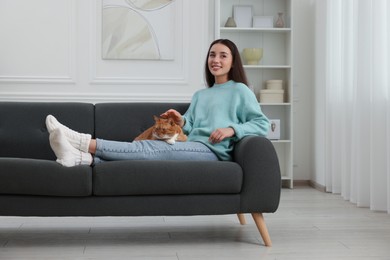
(170, 141)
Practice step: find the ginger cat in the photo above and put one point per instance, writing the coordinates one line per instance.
(164, 129)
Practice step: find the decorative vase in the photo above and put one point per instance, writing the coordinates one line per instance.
(252, 56)
(230, 22)
(279, 22)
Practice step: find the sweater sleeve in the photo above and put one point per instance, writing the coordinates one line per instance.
(189, 115)
(251, 118)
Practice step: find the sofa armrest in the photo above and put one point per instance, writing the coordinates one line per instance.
(262, 181)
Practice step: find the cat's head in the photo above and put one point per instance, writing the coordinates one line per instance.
(165, 128)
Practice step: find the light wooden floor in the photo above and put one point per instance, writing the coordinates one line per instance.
(308, 225)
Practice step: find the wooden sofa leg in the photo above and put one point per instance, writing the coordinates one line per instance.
(241, 218)
(260, 223)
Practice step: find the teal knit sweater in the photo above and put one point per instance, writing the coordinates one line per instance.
(230, 104)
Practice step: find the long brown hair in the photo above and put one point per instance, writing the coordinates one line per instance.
(236, 73)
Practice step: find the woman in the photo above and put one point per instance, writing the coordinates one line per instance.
(217, 117)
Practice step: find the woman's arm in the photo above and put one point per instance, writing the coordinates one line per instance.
(220, 134)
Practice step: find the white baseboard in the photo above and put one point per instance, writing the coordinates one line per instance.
(309, 183)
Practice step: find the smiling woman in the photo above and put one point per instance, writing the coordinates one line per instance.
(224, 60)
(220, 62)
(217, 118)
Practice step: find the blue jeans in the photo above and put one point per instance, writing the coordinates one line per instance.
(151, 150)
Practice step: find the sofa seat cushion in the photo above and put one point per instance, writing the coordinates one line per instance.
(121, 178)
(21, 176)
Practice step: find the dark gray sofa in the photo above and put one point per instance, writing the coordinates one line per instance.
(33, 184)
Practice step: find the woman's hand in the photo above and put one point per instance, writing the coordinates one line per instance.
(176, 116)
(220, 134)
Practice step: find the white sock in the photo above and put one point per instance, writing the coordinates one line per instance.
(66, 154)
(76, 139)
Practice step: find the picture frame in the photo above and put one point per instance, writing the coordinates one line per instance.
(274, 130)
(120, 37)
(263, 21)
(243, 15)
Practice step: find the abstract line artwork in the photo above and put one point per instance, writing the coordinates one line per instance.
(138, 29)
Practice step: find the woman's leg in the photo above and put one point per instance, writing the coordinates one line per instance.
(92, 146)
(152, 150)
(73, 148)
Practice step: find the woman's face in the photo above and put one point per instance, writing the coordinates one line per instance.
(220, 62)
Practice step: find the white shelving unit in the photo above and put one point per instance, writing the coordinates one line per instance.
(276, 63)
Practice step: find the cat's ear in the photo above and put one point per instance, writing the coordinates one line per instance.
(155, 118)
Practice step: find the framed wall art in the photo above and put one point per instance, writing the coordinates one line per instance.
(141, 30)
(274, 130)
(243, 15)
(263, 21)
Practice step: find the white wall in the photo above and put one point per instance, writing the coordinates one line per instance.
(303, 52)
(319, 169)
(50, 51)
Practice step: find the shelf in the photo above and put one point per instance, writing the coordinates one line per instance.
(251, 29)
(275, 104)
(267, 66)
(280, 141)
(276, 63)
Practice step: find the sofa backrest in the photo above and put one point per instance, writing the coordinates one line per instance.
(23, 132)
(125, 121)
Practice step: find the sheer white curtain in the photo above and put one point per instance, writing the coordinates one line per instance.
(357, 101)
